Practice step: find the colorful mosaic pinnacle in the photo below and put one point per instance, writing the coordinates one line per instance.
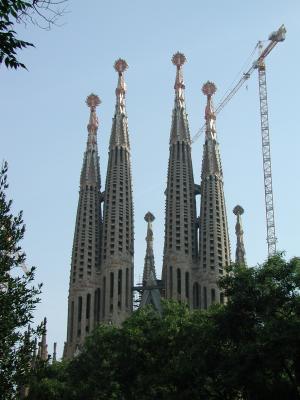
(93, 100)
(209, 88)
(178, 59)
(120, 66)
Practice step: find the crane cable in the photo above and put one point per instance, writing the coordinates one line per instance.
(231, 87)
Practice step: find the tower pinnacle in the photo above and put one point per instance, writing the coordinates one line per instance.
(118, 230)
(180, 244)
(43, 343)
(85, 261)
(150, 293)
(149, 268)
(92, 102)
(209, 89)
(179, 60)
(180, 129)
(120, 66)
(214, 246)
(240, 249)
(119, 134)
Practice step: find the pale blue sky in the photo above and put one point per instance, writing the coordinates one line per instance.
(44, 118)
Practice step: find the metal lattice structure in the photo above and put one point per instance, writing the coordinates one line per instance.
(259, 64)
(267, 166)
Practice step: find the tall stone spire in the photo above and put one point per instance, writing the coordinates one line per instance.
(149, 265)
(83, 302)
(117, 243)
(214, 247)
(43, 343)
(240, 254)
(180, 246)
(54, 352)
(150, 293)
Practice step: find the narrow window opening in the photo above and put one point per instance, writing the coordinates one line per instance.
(187, 285)
(178, 281)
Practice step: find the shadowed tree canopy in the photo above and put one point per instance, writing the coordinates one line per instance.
(248, 348)
(43, 13)
(18, 300)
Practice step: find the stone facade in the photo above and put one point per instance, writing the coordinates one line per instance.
(101, 276)
(214, 246)
(83, 313)
(180, 247)
(117, 240)
(196, 248)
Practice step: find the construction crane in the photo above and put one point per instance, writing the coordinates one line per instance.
(259, 64)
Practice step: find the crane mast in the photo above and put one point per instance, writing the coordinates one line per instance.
(259, 64)
(266, 152)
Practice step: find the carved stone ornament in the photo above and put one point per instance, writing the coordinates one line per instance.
(238, 210)
(149, 217)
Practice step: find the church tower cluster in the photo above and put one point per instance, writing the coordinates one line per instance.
(101, 276)
(196, 243)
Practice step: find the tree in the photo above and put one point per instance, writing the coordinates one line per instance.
(246, 349)
(49, 382)
(18, 300)
(261, 321)
(43, 13)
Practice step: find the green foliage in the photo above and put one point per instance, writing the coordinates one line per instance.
(18, 299)
(10, 11)
(49, 382)
(42, 13)
(248, 348)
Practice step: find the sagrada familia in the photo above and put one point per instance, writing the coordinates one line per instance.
(196, 245)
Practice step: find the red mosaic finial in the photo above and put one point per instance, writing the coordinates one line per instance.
(178, 59)
(209, 88)
(120, 65)
(93, 100)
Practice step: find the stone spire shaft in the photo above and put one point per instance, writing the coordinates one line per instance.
(85, 265)
(150, 292)
(54, 352)
(240, 253)
(119, 133)
(117, 243)
(180, 246)
(214, 247)
(43, 343)
(149, 265)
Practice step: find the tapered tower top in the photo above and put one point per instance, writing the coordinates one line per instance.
(209, 89)
(150, 293)
(179, 60)
(119, 134)
(179, 128)
(149, 268)
(240, 254)
(92, 102)
(121, 66)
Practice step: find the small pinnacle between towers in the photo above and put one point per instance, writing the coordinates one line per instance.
(209, 88)
(149, 217)
(238, 210)
(178, 59)
(93, 101)
(120, 65)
